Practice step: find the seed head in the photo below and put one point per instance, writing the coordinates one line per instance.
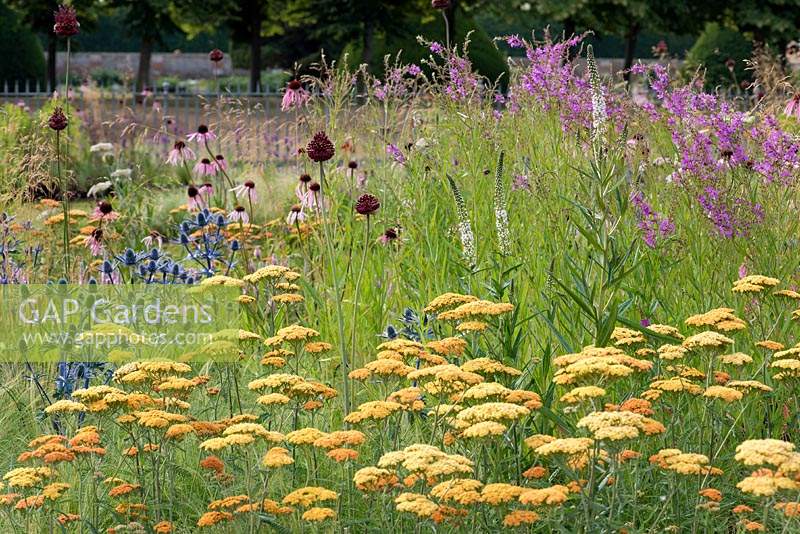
(57, 121)
(66, 22)
(320, 148)
(367, 204)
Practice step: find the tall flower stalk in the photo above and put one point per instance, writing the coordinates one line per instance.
(464, 226)
(66, 25)
(599, 112)
(501, 210)
(319, 150)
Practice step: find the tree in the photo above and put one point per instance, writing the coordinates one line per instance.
(149, 20)
(626, 18)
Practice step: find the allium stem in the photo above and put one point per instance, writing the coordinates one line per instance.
(64, 204)
(358, 287)
(337, 292)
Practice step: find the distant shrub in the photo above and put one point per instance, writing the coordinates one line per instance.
(19, 43)
(721, 52)
(486, 58)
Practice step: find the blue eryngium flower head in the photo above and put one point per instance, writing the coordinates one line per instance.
(184, 238)
(154, 254)
(221, 221)
(152, 266)
(107, 268)
(129, 257)
(185, 227)
(235, 245)
(176, 269)
(201, 219)
(92, 281)
(142, 270)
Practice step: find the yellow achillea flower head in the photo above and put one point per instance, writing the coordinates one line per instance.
(487, 366)
(309, 495)
(755, 283)
(567, 446)
(305, 436)
(222, 280)
(724, 393)
(447, 301)
(492, 411)
(676, 385)
(749, 385)
(707, 339)
(463, 491)
(449, 346)
(410, 398)
(271, 273)
(277, 457)
(416, 504)
(65, 406)
(765, 483)
(582, 393)
(317, 514)
(737, 358)
(292, 333)
(665, 330)
(764, 451)
(671, 352)
(288, 298)
(500, 493)
(622, 337)
(683, 463)
(482, 391)
(484, 429)
(619, 425)
(476, 309)
(374, 411)
(472, 326)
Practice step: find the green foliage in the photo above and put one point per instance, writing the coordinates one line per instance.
(713, 52)
(19, 43)
(486, 59)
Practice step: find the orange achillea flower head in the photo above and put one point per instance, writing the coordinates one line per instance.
(65, 518)
(162, 527)
(212, 463)
(711, 494)
(536, 471)
(342, 455)
(318, 514)
(228, 502)
(209, 519)
(520, 517)
(553, 495)
(123, 489)
(741, 509)
(374, 479)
